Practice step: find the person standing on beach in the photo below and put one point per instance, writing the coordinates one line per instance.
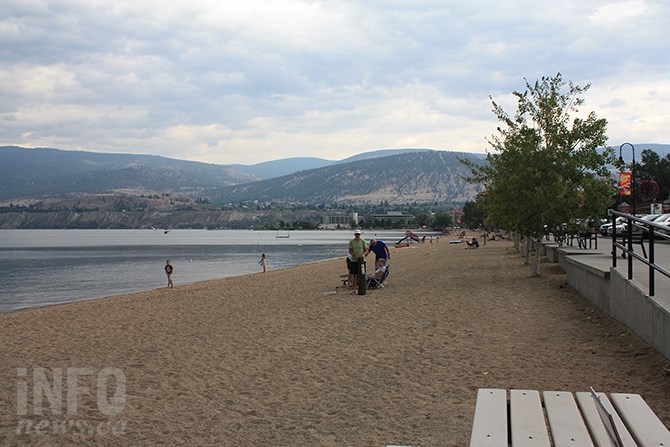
(262, 262)
(351, 267)
(381, 251)
(168, 270)
(357, 251)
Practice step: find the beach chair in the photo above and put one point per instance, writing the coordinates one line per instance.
(374, 283)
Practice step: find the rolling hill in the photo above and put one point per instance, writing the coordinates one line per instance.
(48, 172)
(424, 176)
(395, 176)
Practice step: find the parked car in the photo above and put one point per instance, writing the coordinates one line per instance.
(663, 219)
(606, 228)
(639, 228)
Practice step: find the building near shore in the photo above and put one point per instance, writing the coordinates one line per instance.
(335, 221)
(391, 217)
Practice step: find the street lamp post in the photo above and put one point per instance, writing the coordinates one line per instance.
(632, 169)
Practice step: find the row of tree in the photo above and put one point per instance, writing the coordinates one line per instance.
(545, 168)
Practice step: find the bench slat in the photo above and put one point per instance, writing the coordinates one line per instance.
(527, 424)
(489, 428)
(595, 424)
(645, 426)
(565, 420)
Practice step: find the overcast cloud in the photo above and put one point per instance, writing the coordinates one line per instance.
(244, 81)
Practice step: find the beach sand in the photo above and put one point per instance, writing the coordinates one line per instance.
(280, 359)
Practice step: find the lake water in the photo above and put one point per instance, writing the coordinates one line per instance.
(46, 267)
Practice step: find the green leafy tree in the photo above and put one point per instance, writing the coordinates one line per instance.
(653, 167)
(473, 215)
(421, 219)
(442, 220)
(545, 169)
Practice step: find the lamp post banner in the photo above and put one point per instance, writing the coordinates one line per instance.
(624, 183)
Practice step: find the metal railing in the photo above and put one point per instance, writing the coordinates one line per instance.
(637, 228)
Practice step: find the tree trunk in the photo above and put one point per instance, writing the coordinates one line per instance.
(526, 249)
(535, 271)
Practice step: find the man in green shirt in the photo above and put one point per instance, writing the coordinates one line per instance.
(357, 249)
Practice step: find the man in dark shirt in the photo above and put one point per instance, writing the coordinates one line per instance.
(380, 250)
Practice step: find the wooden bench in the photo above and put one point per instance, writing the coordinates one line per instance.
(559, 418)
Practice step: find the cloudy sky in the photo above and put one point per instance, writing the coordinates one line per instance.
(245, 81)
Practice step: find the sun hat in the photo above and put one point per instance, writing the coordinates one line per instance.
(357, 231)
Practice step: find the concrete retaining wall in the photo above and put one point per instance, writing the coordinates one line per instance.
(646, 316)
(590, 282)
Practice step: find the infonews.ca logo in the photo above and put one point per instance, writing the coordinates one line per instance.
(47, 401)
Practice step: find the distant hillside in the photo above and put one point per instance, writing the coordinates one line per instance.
(50, 172)
(285, 166)
(393, 175)
(383, 153)
(423, 176)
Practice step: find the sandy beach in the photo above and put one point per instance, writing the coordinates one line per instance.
(288, 358)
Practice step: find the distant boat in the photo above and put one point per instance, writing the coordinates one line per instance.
(283, 236)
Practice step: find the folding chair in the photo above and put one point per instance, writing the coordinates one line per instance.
(374, 283)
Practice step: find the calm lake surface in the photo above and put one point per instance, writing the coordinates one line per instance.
(46, 267)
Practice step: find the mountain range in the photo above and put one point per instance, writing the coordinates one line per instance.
(413, 176)
(394, 175)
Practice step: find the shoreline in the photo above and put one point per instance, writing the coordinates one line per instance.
(76, 266)
(269, 359)
(134, 292)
